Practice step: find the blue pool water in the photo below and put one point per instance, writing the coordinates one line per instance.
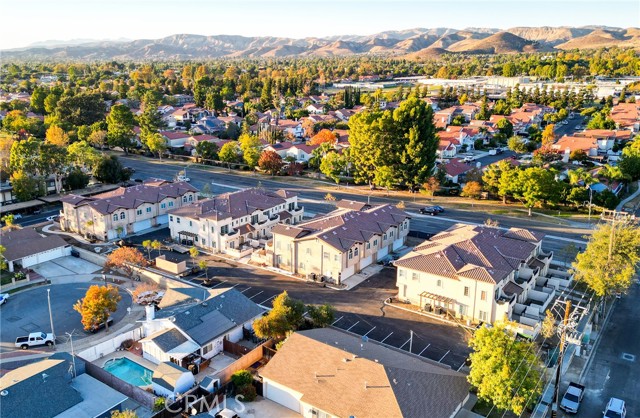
(129, 371)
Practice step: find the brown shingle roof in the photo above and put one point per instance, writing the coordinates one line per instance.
(334, 374)
(20, 243)
(478, 253)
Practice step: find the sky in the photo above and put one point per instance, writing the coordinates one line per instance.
(27, 21)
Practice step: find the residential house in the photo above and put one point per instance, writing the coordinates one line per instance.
(457, 134)
(626, 116)
(315, 109)
(182, 99)
(447, 148)
(193, 322)
(56, 386)
(444, 117)
(479, 274)
(25, 247)
(327, 372)
(291, 128)
(301, 152)
(211, 124)
(126, 210)
(170, 380)
(345, 114)
(340, 243)
(455, 168)
(280, 148)
(175, 139)
(607, 138)
(432, 102)
(589, 145)
(231, 221)
(194, 140)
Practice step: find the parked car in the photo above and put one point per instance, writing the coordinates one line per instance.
(183, 178)
(226, 413)
(429, 210)
(130, 169)
(53, 218)
(17, 216)
(572, 398)
(469, 159)
(616, 408)
(98, 327)
(34, 339)
(4, 297)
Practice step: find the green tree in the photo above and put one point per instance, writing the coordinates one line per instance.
(250, 146)
(517, 144)
(242, 378)
(82, 154)
(127, 413)
(229, 153)
(156, 144)
(332, 166)
(207, 150)
(80, 109)
(110, 170)
(505, 371)
(147, 245)
(285, 317)
(150, 120)
(505, 127)
(37, 100)
(270, 162)
(24, 186)
(322, 316)
(536, 185)
(367, 145)
(96, 306)
(120, 127)
(76, 179)
(610, 260)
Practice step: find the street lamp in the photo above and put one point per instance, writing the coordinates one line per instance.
(50, 315)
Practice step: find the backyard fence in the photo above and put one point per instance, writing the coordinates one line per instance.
(107, 347)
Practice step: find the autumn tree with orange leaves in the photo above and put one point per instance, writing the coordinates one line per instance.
(97, 305)
(126, 259)
(323, 136)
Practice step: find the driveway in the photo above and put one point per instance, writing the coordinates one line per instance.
(65, 266)
(29, 312)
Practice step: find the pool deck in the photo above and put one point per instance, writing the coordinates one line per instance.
(119, 354)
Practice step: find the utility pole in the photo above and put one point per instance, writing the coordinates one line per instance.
(554, 408)
(51, 316)
(73, 354)
(411, 342)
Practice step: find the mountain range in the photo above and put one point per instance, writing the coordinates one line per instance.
(416, 43)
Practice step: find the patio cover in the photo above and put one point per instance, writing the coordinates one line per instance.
(184, 349)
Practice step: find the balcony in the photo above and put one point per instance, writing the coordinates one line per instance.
(526, 275)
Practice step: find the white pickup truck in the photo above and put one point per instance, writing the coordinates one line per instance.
(35, 338)
(572, 398)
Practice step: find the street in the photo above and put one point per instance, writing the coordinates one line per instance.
(615, 368)
(570, 128)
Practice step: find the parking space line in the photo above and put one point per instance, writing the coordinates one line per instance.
(423, 350)
(405, 343)
(220, 283)
(334, 322)
(267, 300)
(369, 331)
(461, 366)
(445, 355)
(357, 322)
(385, 338)
(255, 295)
(234, 285)
(242, 291)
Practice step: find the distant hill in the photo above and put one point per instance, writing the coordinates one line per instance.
(417, 43)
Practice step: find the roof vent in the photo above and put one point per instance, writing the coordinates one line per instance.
(345, 360)
(44, 377)
(187, 313)
(4, 393)
(204, 303)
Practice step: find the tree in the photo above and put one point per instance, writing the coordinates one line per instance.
(578, 155)
(535, 185)
(229, 153)
(80, 109)
(505, 371)
(548, 135)
(323, 136)
(147, 245)
(127, 259)
(431, 186)
(203, 266)
(505, 127)
(156, 245)
(57, 136)
(207, 150)
(110, 170)
(517, 144)
(24, 186)
(322, 316)
(332, 166)
(250, 146)
(548, 328)
(37, 100)
(127, 413)
(472, 189)
(193, 253)
(329, 197)
(77, 179)
(242, 378)
(156, 144)
(120, 127)
(82, 154)
(270, 162)
(96, 306)
(150, 120)
(609, 262)
(285, 317)
(98, 139)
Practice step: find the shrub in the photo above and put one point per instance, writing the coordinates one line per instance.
(248, 392)
(242, 378)
(159, 404)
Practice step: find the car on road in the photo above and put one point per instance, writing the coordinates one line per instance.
(183, 178)
(53, 218)
(572, 398)
(34, 339)
(4, 297)
(616, 408)
(440, 209)
(429, 210)
(469, 159)
(98, 327)
(16, 215)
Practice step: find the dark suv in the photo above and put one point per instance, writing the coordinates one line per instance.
(429, 210)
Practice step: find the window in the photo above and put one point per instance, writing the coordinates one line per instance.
(115, 216)
(439, 283)
(375, 242)
(163, 205)
(483, 295)
(170, 218)
(122, 215)
(384, 237)
(149, 209)
(368, 245)
(292, 206)
(254, 219)
(308, 251)
(139, 212)
(204, 242)
(184, 199)
(414, 276)
(190, 223)
(278, 245)
(466, 290)
(301, 265)
(177, 220)
(232, 245)
(401, 273)
(213, 229)
(483, 316)
(224, 230)
(391, 234)
(325, 255)
(204, 228)
(336, 257)
(190, 198)
(355, 251)
(206, 348)
(464, 310)
(196, 238)
(171, 204)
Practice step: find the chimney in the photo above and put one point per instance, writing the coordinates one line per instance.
(150, 311)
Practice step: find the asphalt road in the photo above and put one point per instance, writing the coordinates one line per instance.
(314, 203)
(569, 128)
(28, 220)
(29, 312)
(612, 373)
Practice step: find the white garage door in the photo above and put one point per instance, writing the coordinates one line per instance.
(397, 243)
(383, 252)
(163, 219)
(111, 234)
(44, 256)
(348, 272)
(366, 261)
(140, 225)
(281, 396)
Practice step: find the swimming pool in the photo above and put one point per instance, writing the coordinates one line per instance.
(129, 371)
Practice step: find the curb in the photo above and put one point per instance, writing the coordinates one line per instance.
(429, 316)
(587, 365)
